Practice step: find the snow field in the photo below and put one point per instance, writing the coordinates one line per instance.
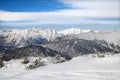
(79, 68)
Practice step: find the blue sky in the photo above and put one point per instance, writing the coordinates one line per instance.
(60, 14)
(31, 5)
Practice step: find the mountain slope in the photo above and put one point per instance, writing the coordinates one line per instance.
(25, 37)
(76, 47)
(28, 51)
(15, 38)
(109, 36)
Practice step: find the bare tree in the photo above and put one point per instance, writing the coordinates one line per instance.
(1, 61)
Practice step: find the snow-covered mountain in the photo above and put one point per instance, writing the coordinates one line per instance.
(74, 31)
(109, 36)
(77, 47)
(25, 37)
(48, 34)
(70, 44)
(35, 36)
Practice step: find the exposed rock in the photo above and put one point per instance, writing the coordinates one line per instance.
(101, 55)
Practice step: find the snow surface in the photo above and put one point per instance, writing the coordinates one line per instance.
(79, 68)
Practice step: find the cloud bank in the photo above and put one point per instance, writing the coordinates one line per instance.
(81, 12)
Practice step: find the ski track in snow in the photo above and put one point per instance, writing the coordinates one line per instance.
(71, 70)
(35, 75)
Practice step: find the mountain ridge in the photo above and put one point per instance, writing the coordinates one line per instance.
(16, 38)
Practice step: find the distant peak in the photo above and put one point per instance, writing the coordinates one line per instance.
(74, 31)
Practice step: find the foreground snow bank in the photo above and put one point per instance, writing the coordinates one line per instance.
(79, 68)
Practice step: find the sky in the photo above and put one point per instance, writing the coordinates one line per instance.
(60, 14)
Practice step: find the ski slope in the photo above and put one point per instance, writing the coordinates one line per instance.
(79, 68)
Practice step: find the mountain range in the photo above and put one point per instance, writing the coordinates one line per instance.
(69, 42)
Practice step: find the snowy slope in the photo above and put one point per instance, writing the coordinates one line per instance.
(79, 68)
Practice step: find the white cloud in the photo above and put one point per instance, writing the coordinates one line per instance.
(93, 4)
(98, 9)
(58, 15)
